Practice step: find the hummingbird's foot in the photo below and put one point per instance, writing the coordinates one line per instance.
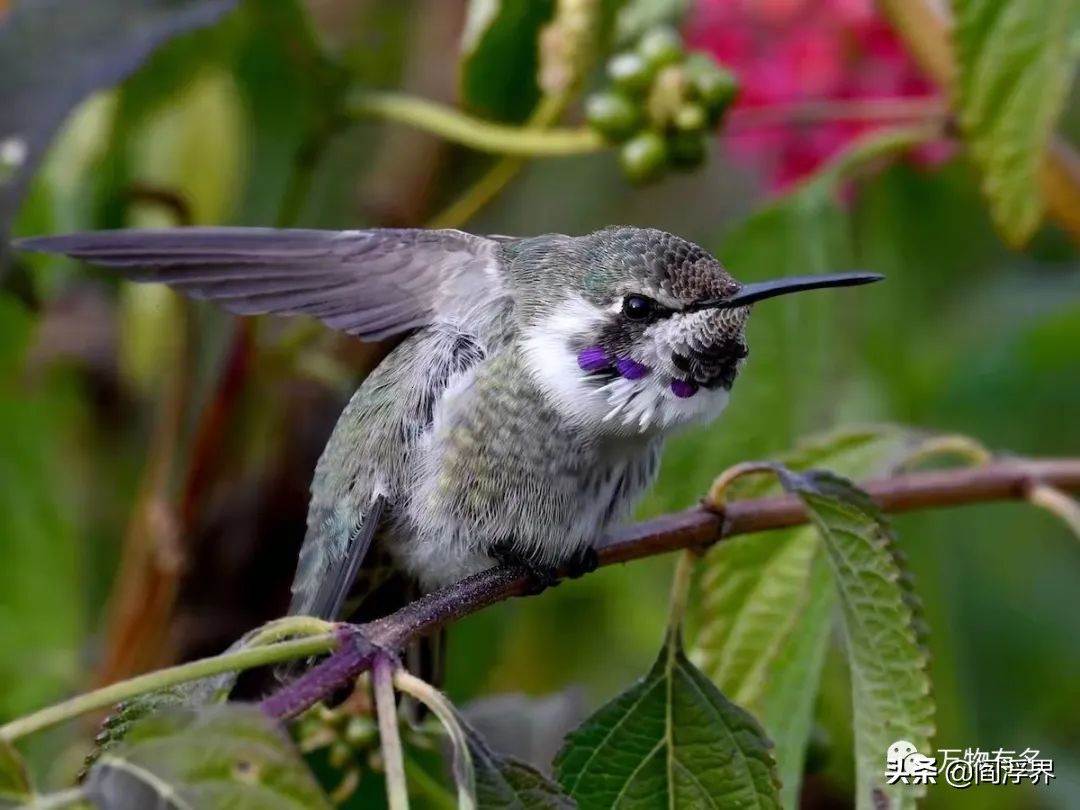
(541, 577)
(584, 561)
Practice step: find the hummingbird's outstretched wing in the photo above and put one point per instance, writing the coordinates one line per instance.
(370, 283)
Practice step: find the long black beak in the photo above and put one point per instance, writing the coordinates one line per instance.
(759, 291)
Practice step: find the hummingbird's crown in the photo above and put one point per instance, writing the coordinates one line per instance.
(678, 268)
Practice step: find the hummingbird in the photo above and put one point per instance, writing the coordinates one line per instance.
(524, 412)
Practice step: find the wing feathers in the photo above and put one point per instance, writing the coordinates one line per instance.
(371, 283)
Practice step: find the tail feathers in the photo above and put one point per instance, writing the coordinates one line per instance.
(327, 568)
(364, 586)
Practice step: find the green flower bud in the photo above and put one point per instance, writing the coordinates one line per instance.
(613, 115)
(644, 157)
(660, 46)
(339, 755)
(690, 118)
(360, 732)
(714, 84)
(686, 150)
(630, 73)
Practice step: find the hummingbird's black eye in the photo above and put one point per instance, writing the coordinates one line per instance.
(638, 307)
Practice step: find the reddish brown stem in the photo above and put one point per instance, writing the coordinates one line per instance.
(214, 421)
(826, 110)
(693, 528)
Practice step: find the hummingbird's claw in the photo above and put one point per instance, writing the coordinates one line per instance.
(541, 576)
(584, 561)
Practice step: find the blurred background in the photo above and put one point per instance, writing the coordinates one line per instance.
(155, 453)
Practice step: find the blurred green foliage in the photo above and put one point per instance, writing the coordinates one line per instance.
(500, 57)
(1015, 66)
(228, 756)
(43, 619)
(966, 336)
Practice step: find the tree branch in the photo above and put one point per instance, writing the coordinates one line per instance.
(696, 528)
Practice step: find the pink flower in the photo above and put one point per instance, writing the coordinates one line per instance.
(789, 52)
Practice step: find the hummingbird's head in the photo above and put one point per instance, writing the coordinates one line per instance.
(638, 330)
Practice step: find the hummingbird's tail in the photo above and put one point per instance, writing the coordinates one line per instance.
(376, 588)
(331, 557)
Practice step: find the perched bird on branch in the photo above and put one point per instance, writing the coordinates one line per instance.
(523, 415)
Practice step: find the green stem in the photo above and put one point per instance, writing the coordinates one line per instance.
(152, 681)
(56, 801)
(382, 678)
(680, 591)
(484, 136)
(495, 179)
(965, 448)
(289, 627)
(1058, 503)
(575, 27)
(464, 775)
(478, 195)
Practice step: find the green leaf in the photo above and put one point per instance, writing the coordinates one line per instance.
(889, 668)
(505, 782)
(15, 787)
(176, 150)
(267, 53)
(127, 715)
(290, 89)
(671, 740)
(763, 637)
(42, 549)
(223, 757)
(192, 695)
(1015, 61)
(500, 57)
(124, 716)
(49, 68)
(788, 699)
(767, 603)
